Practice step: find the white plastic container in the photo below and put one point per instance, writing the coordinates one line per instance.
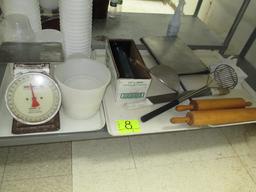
(30, 8)
(83, 83)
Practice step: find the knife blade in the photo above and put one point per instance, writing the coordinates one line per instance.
(156, 99)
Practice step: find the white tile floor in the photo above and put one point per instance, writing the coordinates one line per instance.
(36, 168)
(220, 159)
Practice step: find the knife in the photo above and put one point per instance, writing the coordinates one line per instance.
(156, 99)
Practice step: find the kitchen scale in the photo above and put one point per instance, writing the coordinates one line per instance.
(33, 97)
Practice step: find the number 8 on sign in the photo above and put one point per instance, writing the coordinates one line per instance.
(128, 126)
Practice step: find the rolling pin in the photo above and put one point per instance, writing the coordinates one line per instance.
(207, 104)
(217, 117)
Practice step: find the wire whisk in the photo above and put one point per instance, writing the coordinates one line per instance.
(225, 76)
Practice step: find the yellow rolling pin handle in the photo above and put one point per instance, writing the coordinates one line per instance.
(184, 107)
(176, 120)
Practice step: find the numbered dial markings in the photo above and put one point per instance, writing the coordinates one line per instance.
(33, 98)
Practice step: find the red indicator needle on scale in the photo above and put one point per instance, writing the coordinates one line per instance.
(35, 103)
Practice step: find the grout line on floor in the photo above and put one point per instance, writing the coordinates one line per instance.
(229, 142)
(31, 178)
(190, 161)
(247, 170)
(2, 177)
(72, 165)
(131, 150)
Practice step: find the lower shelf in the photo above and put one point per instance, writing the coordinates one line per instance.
(109, 113)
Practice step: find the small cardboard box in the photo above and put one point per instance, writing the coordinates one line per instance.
(130, 80)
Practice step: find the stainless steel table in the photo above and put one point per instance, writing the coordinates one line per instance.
(193, 31)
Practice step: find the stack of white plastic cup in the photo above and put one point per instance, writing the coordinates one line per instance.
(76, 26)
(30, 8)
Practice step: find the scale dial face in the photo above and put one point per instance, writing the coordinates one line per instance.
(33, 98)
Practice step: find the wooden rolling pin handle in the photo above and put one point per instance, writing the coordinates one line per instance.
(209, 104)
(184, 107)
(176, 120)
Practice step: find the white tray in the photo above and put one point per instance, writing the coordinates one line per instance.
(233, 124)
(67, 125)
(161, 123)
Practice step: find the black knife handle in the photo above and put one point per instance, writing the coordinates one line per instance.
(160, 110)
